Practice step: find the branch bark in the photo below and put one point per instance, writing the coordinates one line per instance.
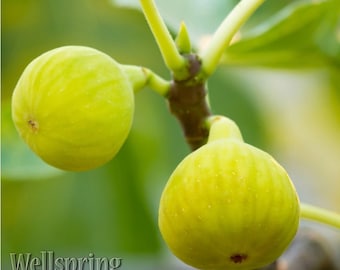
(188, 103)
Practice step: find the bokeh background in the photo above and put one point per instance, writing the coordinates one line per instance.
(280, 83)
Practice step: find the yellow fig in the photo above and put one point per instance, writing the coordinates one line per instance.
(74, 107)
(228, 205)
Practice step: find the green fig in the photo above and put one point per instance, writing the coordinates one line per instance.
(74, 107)
(228, 205)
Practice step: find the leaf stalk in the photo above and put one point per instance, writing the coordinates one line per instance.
(221, 38)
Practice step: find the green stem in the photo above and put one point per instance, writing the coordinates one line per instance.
(172, 58)
(141, 77)
(319, 214)
(223, 35)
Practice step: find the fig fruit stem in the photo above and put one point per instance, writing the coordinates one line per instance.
(221, 38)
(141, 77)
(171, 56)
(319, 214)
(221, 127)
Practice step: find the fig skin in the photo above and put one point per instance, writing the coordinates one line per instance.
(74, 107)
(228, 205)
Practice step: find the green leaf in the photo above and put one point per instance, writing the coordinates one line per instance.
(328, 35)
(298, 36)
(102, 210)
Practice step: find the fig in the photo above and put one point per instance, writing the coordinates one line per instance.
(228, 205)
(74, 107)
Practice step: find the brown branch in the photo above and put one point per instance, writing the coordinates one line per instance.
(187, 101)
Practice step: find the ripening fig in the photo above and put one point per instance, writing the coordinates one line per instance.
(74, 107)
(228, 205)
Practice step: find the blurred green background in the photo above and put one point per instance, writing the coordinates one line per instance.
(280, 83)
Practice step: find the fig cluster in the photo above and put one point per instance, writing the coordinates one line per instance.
(228, 205)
